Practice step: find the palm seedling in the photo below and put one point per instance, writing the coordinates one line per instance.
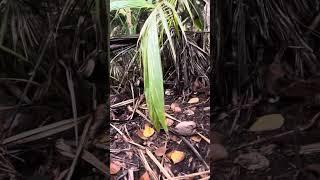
(162, 22)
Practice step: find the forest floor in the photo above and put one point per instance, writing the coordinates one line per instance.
(140, 152)
(286, 146)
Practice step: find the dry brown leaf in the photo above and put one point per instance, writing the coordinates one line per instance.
(177, 156)
(148, 131)
(267, 123)
(114, 168)
(196, 138)
(169, 122)
(140, 134)
(160, 151)
(193, 100)
(169, 154)
(145, 176)
(175, 107)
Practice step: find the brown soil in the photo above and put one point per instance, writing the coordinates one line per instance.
(127, 154)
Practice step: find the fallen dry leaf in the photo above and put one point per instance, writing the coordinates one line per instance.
(169, 122)
(140, 134)
(114, 168)
(175, 107)
(196, 138)
(160, 151)
(267, 123)
(177, 156)
(186, 128)
(193, 100)
(145, 176)
(148, 131)
(218, 152)
(252, 161)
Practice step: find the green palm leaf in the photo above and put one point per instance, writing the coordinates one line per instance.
(153, 86)
(119, 4)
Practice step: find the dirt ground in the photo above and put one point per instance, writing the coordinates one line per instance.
(286, 153)
(128, 154)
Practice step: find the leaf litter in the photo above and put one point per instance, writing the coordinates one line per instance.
(166, 154)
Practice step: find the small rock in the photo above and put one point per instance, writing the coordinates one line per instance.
(193, 100)
(186, 128)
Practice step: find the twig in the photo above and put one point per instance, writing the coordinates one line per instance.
(203, 137)
(126, 138)
(140, 113)
(135, 107)
(165, 173)
(123, 103)
(205, 178)
(190, 175)
(195, 152)
(171, 117)
(146, 165)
